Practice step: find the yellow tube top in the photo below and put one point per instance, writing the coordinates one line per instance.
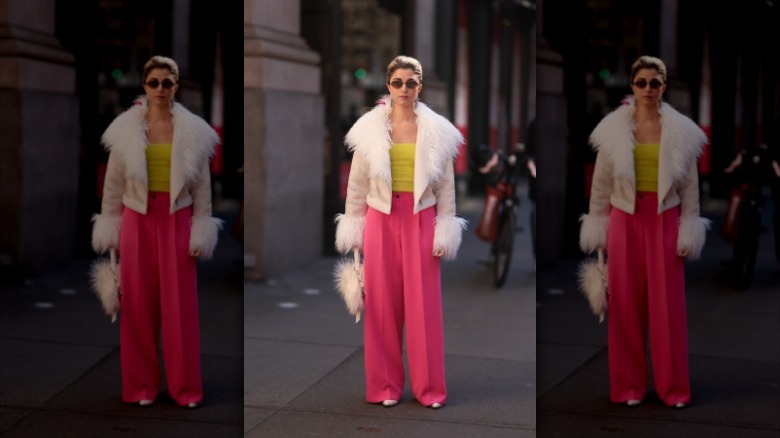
(158, 166)
(402, 166)
(646, 166)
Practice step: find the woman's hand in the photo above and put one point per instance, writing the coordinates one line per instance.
(438, 252)
(776, 168)
(195, 253)
(734, 164)
(682, 253)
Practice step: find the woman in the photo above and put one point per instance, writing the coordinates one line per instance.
(400, 211)
(156, 211)
(644, 211)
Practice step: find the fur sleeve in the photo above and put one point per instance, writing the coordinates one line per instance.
(448, 234)
(204, 235)
(692, 235)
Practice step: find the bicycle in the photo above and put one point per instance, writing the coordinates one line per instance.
(742, 227)
(499, 220)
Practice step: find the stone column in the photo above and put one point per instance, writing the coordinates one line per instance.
(190, 93)
(39, 131)
(678, 93)
(552, 138)
(434, 91)
(284, 139)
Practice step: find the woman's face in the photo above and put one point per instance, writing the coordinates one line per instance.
(648, 86)
(160, 86)
(409, 87)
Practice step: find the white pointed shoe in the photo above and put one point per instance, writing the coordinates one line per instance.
(680, 405)
(633, 402)
(389, 403)
(436, 405)
(145, 402)
(192, 405)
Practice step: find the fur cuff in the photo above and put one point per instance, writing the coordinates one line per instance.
(692, 234)
(447, 235)
(105, 232)
(349, 232)
(204, 235)
(593, 232)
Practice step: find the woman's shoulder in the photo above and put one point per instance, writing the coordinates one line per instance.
(615, 126)
(127, 125)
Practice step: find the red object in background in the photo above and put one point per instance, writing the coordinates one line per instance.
(462, 161)
(344, 179)
(218, 160)
(487, 223)
(589, 169)
(100, 174)
(705, 163)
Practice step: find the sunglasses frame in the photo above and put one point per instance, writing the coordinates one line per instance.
(646, 83)
(159, 83)
(402, 83)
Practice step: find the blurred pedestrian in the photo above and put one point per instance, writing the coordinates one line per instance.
(644, 213)
(156, 211)
(400, 211)
(774, 178)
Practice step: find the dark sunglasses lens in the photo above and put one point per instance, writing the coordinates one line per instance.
(654, 84)
(154, 83)
(409, 84)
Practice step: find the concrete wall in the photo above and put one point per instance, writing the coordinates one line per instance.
(39, 130)
(284, 141)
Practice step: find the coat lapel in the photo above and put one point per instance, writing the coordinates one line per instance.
(438, 142)
(193, 142)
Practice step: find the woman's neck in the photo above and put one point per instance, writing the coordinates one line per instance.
(403, 114)
(156, 113)
(647, 113)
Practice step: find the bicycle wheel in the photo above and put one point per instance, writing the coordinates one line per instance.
(504, 245)
(746, 247)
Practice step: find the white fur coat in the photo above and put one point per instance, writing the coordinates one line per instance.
(126, 182)
(614, 180)
(370, 182)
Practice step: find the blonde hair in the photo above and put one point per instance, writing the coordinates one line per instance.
(161, 62)
(404, 62)
(648, 62)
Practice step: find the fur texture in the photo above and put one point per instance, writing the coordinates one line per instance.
(593, 234)
(105, 232)
(104, 278)
(448, 235)
(204, 235)
(349, 232)
(193, 142)
(692, 235)
(348, 276)
(681, 138)
(592, 277)
(438, 140)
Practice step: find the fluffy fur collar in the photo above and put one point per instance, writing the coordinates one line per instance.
(193, 141)
(681, 141)
(437, 141)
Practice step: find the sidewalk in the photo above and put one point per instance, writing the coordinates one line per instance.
(60, 374)
(303, 355)
(734, 342)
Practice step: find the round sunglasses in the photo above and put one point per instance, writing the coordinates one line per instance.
(154, 83)
(642, 84)
(397, 83)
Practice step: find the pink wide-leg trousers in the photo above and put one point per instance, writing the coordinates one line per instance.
(403, 285)
(646, 287)
(159, 285)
